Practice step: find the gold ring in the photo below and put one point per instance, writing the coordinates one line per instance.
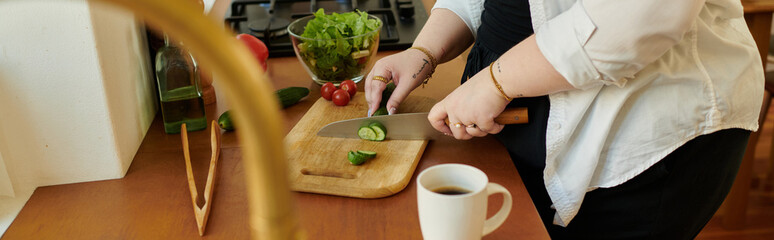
(458, 125)
(381, 79)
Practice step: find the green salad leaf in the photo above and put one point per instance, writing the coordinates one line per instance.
(336, 48)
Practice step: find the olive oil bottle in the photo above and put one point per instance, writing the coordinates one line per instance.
(179, 89)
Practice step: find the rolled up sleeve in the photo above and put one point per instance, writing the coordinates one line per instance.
(608, 41)
(469, 11)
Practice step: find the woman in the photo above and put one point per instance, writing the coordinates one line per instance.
(639, 110)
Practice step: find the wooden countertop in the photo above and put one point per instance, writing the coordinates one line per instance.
(152, 200)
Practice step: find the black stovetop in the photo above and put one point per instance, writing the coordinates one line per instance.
(403, 19)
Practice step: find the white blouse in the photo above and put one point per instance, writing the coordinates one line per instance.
(650, 76)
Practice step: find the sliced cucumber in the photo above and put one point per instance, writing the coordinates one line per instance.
(379, 130)
(366, 133)
(373, 131)
(367, 154)
(360, 156)
(355, 159)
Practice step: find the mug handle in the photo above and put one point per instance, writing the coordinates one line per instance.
(495, 221)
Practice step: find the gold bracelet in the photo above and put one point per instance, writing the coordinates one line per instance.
(433, 62)
(427, 52)
(500, 88)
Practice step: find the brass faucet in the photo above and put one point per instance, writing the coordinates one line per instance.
(272, 215)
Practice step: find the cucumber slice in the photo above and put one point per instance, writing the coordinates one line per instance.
(355, 159)
(379, 130)
(366, 154)
(366, 133)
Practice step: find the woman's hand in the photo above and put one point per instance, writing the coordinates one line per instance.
(476, 102)
(408, 69)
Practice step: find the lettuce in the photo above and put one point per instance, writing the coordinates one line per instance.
(335, 53)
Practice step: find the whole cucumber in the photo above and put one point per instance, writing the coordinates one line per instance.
(287, 97)
(387, 93)
(224, 121)
(291, 95)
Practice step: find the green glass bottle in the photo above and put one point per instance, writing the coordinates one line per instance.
(179, 89)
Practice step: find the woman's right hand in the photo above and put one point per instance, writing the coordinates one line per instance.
(408, 69)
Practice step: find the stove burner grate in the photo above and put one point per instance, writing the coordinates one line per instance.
(263, 28)
(401, 25)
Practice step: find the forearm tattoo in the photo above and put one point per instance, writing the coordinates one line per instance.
(420, 69)
(500, 70)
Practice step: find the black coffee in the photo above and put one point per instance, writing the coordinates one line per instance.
(451, 190)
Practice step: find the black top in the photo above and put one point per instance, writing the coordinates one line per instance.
(504, 24)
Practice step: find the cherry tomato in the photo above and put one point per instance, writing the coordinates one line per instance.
(340, 97)
(350, 86)
(259, 50)
(327, 90)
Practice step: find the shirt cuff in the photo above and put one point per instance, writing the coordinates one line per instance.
(561, 41)
(468, 11)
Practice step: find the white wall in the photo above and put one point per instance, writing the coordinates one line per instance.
(127, 77)
(6, 189)
(76, 95)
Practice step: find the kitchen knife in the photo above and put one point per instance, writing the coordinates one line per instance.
(408, 126)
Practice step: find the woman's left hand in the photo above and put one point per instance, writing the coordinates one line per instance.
(471, 109)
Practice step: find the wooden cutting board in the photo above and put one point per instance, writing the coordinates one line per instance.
(320, 165)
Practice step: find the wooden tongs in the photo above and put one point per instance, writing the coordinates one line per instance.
(202, 213)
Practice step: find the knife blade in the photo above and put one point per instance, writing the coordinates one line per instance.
(408, 126)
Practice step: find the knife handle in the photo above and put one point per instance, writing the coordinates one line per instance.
(513, 116)
(509, 116)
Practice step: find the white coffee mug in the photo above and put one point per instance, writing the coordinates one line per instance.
(457, 213)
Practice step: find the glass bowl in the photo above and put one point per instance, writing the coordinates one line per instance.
(335, 60)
